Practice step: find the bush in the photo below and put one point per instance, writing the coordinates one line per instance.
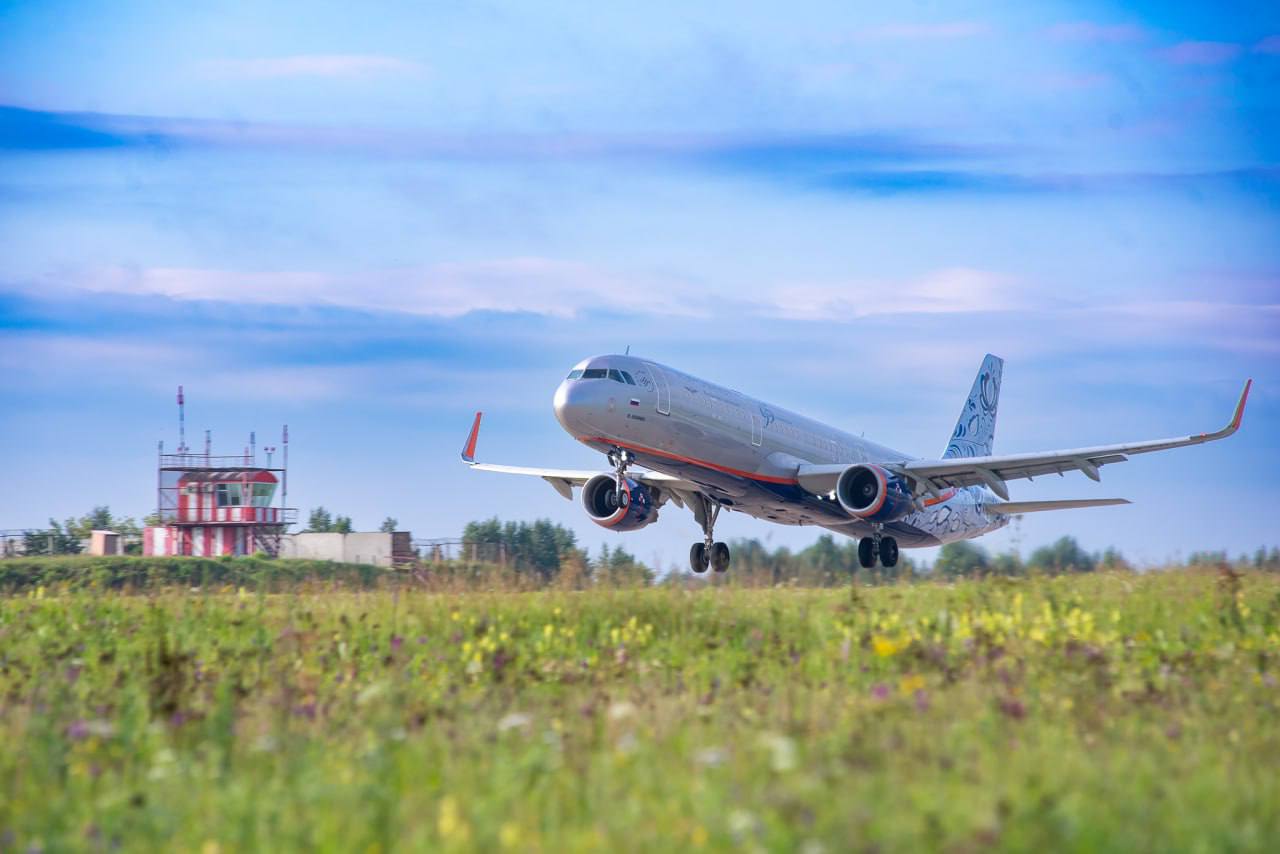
(114, 572)
(1064, 555)
(962, 559)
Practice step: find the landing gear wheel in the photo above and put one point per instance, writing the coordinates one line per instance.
(888, 552)
(866, 552)
(720, 557)
(698, 558)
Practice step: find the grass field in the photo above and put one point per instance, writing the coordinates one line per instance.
(1102, 712)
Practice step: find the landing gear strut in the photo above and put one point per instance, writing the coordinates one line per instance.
(708, 553)
(620, 459)
(877, 546)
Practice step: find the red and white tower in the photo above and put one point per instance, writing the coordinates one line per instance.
(218, 505)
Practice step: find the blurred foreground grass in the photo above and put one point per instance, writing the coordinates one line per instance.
(1099, 712)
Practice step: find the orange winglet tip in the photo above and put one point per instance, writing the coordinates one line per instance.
(469, 449)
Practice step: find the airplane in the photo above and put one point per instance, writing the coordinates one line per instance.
(709, 448)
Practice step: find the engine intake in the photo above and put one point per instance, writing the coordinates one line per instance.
(873, 494)
(638, 507)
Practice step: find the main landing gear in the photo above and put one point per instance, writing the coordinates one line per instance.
(708, 552)
(885, 548)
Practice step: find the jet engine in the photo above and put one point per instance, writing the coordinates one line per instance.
(637, 508)
(873, 494)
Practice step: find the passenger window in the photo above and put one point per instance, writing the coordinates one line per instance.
(575, 374)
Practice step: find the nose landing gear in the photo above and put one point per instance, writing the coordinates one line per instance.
(708, 553)
(620, 459)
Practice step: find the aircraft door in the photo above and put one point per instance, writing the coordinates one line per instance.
(663, 390)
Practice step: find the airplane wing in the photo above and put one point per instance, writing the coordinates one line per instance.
(935, 475)
(1013, 508)
(563, 480)
(931, 477)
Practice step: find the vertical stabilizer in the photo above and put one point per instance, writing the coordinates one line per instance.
(976, 429)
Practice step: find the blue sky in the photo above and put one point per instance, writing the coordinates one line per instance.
(370, 222)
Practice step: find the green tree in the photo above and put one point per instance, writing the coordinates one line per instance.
(1007, 563)
(539, 548)
(342, 525)
(619, 568)
(320, 522)
(52, 541)
(961, 559)
(389, 525)
(101, 519)
(1063, 555)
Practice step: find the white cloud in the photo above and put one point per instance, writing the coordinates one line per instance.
(949, 291)
(516, 285)
(314, 65)
(1095, 33)
(948, 31)
(565, 289)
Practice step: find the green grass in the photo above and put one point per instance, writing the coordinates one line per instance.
(1106, 712)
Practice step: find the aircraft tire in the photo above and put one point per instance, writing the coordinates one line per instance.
(888, 552)
(720, 557)
(698, 558)
(866, 552)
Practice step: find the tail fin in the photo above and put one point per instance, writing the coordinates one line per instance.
(976, 428)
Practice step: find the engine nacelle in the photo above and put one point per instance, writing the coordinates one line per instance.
(600, 497)
(873, 494)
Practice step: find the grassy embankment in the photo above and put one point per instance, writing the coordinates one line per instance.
(1105, 712)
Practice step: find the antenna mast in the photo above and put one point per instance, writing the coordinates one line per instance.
(182, 423)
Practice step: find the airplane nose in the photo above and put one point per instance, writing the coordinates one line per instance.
(568, 405)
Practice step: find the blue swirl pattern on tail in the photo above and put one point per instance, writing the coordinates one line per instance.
(976, 429)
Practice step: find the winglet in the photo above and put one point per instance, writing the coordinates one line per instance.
(1236, 417)
(469, 449)
(1244, 396)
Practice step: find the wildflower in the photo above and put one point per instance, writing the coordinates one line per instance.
(621, 710)
(449, 823)
(509, 835)
(711, 757)
(911, 684)
(782, 751)
(922, 700)
(885, 647)
(396, 643)
(514, 720)
(880, 691)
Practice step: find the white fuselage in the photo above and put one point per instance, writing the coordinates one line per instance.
(742, 452)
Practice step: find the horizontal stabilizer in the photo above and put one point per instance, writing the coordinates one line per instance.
(1013, 508)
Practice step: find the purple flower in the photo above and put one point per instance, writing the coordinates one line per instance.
(78, 730)
(922, 700)
(880, 691)
(396, 643)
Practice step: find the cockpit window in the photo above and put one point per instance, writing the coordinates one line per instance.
(602, 374)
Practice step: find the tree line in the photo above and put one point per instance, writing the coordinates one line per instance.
(547, 551)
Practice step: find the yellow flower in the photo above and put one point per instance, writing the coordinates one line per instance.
(911, 684)
(884, 647)
(449, 823)
(509, 835)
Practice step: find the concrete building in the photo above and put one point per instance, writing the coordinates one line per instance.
(379, 549)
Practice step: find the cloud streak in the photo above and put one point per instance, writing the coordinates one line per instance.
(312, 65)
(926, 32)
